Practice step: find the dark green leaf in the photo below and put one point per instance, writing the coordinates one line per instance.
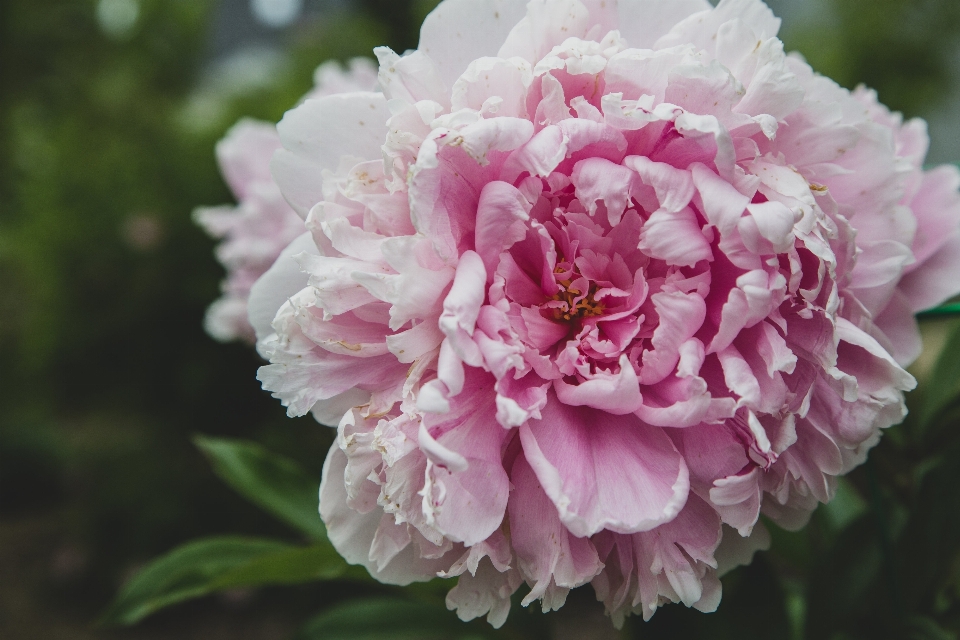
(187, 572)
(206, 566)
(288, 566)
(389, 619)
(847, 505)
(269, 480)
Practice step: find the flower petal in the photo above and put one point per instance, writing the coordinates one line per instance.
(604, 471)
(317, 134)
(458, 32)
(277, 285)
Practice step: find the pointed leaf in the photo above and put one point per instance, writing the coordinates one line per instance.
(273, 482)
(288, 566)
(216, 564)
(187, 572)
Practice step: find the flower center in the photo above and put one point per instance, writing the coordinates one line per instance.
(575, 297)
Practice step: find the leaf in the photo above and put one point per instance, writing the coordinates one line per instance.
(273, 482)
(389, 619)
(943, 385)
(187, 572)
(847, 505)
(289, 566)
(216, 564)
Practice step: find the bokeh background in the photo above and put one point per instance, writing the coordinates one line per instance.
(109, 111)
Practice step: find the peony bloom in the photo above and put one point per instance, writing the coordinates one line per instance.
(262, 224)
(589, 287)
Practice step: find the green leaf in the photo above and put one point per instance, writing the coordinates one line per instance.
(389, 619)
(847, 505)
(943, 386)
(288, 566)
(216, 564)
(187, 572)
(271, 481)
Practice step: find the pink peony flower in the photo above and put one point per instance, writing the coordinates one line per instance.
(590, 286)
(262, 224)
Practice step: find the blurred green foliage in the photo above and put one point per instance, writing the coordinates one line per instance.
(905, 49)
(106, 145)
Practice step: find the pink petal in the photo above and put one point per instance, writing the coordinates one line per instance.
(317, 134)
(720, 202)
(352, 533)
(486, 592)
(604, 471)
(412, 77)
(547, 24)
(458, 32)
(504, 78)
(467, 504)
(617, 393)
(277, 285)
(735, 550)
(737, 499)
(700, 28)
(681, 316)
(899, 325)
(643, 22)
(548, 555)
(244, 154)
(937, 207)
(675, 238)
(501, 214)
(936, 279)
(598, 180)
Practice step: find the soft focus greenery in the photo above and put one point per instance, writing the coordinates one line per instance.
(127, 434)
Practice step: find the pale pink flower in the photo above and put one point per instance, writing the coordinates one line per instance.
(257, 229)
(590, 286)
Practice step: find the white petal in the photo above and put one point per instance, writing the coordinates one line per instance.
(278, 284)
(318, 133)
(460, 31)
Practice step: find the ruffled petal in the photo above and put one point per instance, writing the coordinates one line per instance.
(615, 473)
